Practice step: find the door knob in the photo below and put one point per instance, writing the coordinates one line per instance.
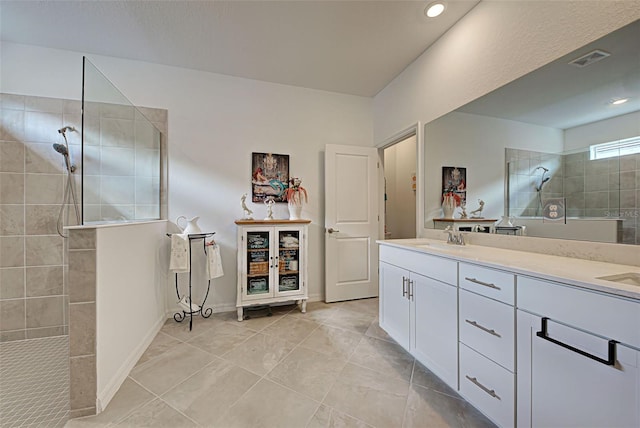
(332, 230)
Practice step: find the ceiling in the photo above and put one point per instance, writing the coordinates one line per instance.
(352, 47)
(563, 96)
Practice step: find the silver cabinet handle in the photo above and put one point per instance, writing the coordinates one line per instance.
(490, 331)
(404, 286)
(410, 283)
(491, 392)
(486, 284)
(332, 230)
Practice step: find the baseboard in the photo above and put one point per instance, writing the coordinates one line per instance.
(104, 397)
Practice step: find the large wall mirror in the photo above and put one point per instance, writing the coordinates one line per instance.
(541, 139)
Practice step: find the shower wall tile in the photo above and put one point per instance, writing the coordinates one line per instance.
(82, 276)
(92, 161)
(596, 200)
(600, 166)
(147, 163)
(82, 329)
(12, 315)
(12, 283)
(628, 163)
(12, 101)
(83, 382)
(11, 156)
(11, 220)
(10, 336)
(41, 219)
(118, 190)
(44, 188)
(147, 136)
(11, 188)
(91, 130)
(11, 125)
(153, 114)
(117, 111)
(628, 180)
(147, 212)
(117, 161)
(147, 190)
(42, 127)
(43, 250)
(117, 132)
(37, 333)
(44, 281)
(596, 182)
(82, 239)
(628, 198)
(573, 185)
(42, 158)
(12, 250)
(117, 212)
(574, 169)
(43, 104)
(44, 312)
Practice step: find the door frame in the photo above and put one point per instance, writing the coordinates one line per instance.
(415, 129)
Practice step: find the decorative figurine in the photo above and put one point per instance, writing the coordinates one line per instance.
(247, 211)
(477, 213)
(463, 207)
(269, 202)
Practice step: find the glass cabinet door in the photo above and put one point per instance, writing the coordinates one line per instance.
(258, 259)
(289, 260)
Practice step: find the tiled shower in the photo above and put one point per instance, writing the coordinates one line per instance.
(34, 259)
(603, 188)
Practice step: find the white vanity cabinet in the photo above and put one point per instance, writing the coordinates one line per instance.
(272, 263)
(418, 308)
(487, 341)
(578, 357)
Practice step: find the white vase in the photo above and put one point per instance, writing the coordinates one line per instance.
(295, 209)
(448, 207)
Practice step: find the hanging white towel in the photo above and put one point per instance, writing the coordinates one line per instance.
(214, 261)
(179, 253)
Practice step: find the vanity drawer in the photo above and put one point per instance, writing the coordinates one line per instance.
(489, 387)
(605, 315)
(488, 327)
(439, 268)
(492, 283)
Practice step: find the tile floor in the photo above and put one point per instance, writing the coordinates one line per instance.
(330, 367)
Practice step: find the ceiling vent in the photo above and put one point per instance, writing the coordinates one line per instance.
(589, 58)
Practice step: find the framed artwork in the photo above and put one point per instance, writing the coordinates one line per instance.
(454, 183)
(269, 176)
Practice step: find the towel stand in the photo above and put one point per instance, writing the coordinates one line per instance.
(205, 313)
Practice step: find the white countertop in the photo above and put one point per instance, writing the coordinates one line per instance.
(571, 271)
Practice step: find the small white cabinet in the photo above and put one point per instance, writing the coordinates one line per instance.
(272, 263)
(418, 308)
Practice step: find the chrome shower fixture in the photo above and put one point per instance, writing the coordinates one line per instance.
(543, 179)
(64, 129)
(61, 149)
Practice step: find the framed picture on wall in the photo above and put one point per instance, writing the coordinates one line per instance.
(269, 176)
(454, 183)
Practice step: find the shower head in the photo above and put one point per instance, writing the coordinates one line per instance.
(61, 148)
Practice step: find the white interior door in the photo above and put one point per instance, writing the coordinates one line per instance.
(351, 222)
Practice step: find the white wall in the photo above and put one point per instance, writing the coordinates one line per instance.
(399, 163)
(215, 122)
(495, 43)
(603, 131)
(130, 299)
(478, 143)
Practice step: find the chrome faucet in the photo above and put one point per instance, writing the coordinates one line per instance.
(454, 238)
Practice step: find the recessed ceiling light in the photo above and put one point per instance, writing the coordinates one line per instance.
(434, 9)
(619, 101)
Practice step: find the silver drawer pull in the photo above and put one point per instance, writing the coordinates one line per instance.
(491, 392)
(490, 331)
(486, 284)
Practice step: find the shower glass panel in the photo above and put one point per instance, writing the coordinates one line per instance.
(121, 155)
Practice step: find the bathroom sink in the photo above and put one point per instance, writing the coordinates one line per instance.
(443, 246)
(629, 278)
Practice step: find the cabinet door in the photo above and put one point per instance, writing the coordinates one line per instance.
(394, 303)
(258, 259)
(435, 326)
(564, 388)
(289, 260)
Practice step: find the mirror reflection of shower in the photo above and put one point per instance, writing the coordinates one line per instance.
(69, 190)
(539, 185)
